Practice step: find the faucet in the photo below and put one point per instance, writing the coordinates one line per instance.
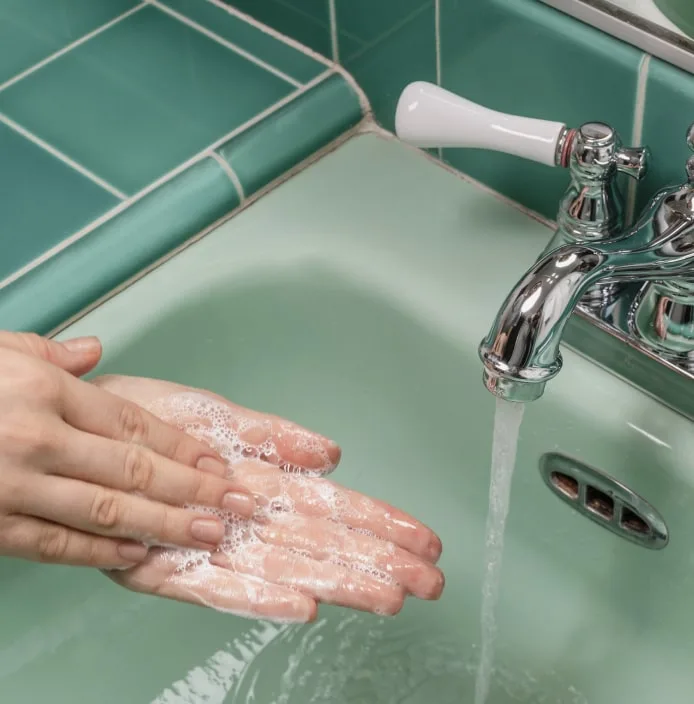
(634, 284)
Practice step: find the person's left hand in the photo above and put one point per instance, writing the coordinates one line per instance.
(311, 541)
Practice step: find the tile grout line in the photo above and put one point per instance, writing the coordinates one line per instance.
(390, 32)
(272, 32)
(224, 42)
(298, 46)
(62, 157)
(334, 41)
(437, 46)
(116, 210)
(71, 46)
(637, 130)
(314, 20)
(254, 197)
(229, 170)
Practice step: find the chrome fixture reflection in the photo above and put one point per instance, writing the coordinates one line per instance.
(634, 283)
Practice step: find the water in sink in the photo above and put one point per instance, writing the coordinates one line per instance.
(507, 422)
(578, 621)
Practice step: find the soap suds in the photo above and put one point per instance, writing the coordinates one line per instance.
(238, 439)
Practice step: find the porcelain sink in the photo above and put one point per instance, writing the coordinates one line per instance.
(352, 299)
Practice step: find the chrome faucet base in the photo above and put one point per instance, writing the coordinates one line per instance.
(631, 289)
(654, 313)
(606, 339)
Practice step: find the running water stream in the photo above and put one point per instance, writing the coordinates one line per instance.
(507, 423)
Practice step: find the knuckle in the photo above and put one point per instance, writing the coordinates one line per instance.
(22, 435)
(198, 484)
(105, 510)
(167, 525)
(39, 382)
(52, 543)
(138, 470)
(132, 423)
(40, 346)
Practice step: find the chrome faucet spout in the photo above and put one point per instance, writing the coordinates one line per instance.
(632, 290)
(521, 352)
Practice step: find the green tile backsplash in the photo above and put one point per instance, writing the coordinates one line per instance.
(398, 45)
(522, 56)
(307, 21)
(267, 150)
(43, 197)
(141, 98)
(31, 30)
(519, 56)
(108, 131)
(247, 37)
(114, 111)
(669, 112)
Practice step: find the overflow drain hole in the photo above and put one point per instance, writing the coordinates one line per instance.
(566, 484)
(600, 503)
(634, 523)
(604, 500)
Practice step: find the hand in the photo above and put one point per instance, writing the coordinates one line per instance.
(87, 477)
(310, 540)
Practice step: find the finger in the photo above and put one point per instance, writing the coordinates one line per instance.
(94, 410)
(321, 498)
(42, 541)
(223, 590)
(267, 437)
(100, 511)
(286, 444)
(77, 356)
(136, 469)
(325, 582)
(327, 541)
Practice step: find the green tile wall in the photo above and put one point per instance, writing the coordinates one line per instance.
(115, 121)
(31, 30)
(102, 99)
(514, 55)
(398, 42)
(669, 111)
(51, 208)
(307, 21)
(518, 56)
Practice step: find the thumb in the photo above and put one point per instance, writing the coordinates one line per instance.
(77, 356)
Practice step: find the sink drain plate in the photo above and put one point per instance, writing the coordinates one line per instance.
(604, 500)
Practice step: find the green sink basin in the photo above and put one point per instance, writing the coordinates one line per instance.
(351, 299)
(681, 12)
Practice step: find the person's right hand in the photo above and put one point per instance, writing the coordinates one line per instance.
(89, 478)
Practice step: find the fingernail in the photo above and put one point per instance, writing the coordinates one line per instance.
(434, 549)
(212, 465)
(238, 502)
(133, 552)
(207, 530)
(82, 344)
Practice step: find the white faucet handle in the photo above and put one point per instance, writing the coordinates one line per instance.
(429, 116)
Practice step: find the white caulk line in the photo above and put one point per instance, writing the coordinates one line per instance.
(63, 157)
(224, 42)
(70, 47)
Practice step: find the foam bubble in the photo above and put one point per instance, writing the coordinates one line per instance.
(239, 438)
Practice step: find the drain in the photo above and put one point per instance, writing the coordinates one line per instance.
(604, 500)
